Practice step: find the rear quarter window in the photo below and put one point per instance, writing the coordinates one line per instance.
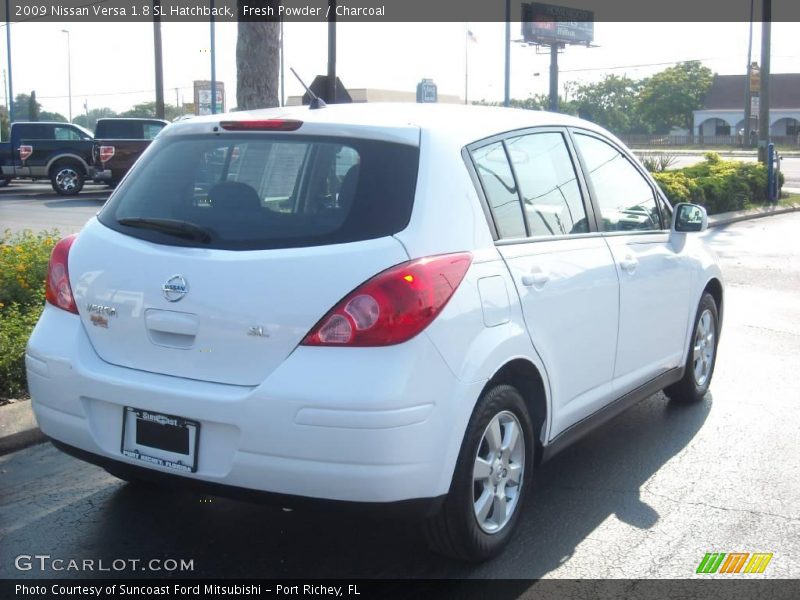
(258, 191)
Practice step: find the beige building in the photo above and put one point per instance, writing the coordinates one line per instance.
(372, 95)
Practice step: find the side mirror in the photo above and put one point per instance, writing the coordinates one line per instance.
(689, 217)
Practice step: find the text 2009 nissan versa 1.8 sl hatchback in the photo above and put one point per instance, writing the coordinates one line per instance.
(395, 305)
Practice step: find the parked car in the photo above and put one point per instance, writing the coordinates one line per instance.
(118, 143)
(394, 307)
(69, 155)
(60, 152)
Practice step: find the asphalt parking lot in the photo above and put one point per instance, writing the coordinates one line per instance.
(645, 496)
(35, 206)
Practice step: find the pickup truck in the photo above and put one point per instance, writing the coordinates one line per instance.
(118, 143)
(61, 152)
(68, 155)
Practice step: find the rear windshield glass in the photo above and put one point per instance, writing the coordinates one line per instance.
(257, 192)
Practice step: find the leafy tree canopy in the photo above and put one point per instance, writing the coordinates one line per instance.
(668, 98)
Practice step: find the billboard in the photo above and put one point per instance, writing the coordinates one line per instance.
(550, 24)
(202, 97)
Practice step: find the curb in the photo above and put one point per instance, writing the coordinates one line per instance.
(686, 152)
(745, 215)
(18, 428)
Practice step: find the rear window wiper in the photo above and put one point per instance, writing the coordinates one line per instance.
(175, 227)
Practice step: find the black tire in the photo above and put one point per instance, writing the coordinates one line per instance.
(67, 177)
(689, 389)
(454, 531)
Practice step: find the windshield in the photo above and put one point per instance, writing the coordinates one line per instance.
(258, 192)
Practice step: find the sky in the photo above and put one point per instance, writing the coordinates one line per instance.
(113, 65)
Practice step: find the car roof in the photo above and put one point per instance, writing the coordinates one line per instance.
(463, 123)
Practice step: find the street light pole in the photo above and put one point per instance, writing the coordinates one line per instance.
(746, 138)
(213, 64)
(553, 77)
(10, 79)
(69, 73)
(507, 78)
(159, 66)
(763, 100)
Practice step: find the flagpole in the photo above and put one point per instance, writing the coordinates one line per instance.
(466, 63)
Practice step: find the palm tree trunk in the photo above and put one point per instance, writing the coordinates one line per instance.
(258, 63)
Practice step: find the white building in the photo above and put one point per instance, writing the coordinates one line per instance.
(723, 108)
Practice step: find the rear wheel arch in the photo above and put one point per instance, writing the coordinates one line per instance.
(523, 375)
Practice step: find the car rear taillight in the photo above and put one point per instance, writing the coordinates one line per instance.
(262, 125)
(25, 152)
(57, 289)
(393, 306)
(106, 153)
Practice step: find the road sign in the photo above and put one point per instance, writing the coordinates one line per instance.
(755, 105)
(202, 97)
(550, 24)
(755, 78)
(427, 91)
(320, 86)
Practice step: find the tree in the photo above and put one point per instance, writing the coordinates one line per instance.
(668, 98)
(22, 107)
(611, 103)
(46, 115)
(147, 110)
(90, 120)
(33, 107)
(4, 128)
(535, 102)
(258, 62)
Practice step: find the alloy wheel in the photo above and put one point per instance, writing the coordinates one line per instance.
(498, 472)
(703, 349)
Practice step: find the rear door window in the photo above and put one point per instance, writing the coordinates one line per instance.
(37, 132)
(550, 191)
(253, 191)
(67, 133)
(500, 188)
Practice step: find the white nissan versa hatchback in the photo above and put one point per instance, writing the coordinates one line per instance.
(401, 306)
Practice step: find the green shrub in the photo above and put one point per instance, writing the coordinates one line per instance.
(719, 185)
(23, 269)
(679, 187)
(23, 264)
(16, 324)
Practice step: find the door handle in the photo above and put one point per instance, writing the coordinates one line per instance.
(628, 264)
(536, 279)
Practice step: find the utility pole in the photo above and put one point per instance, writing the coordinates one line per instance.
(507, 79)
(330, 91)
(554, 77)
(10, 77)
(747, 138)
(159, 65)
(283, 82)
(213, 64)
(69, 72)
(763, 120)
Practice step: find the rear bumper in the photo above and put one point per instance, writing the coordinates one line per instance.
(416, 508)
(102, 175)
(354, 425)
